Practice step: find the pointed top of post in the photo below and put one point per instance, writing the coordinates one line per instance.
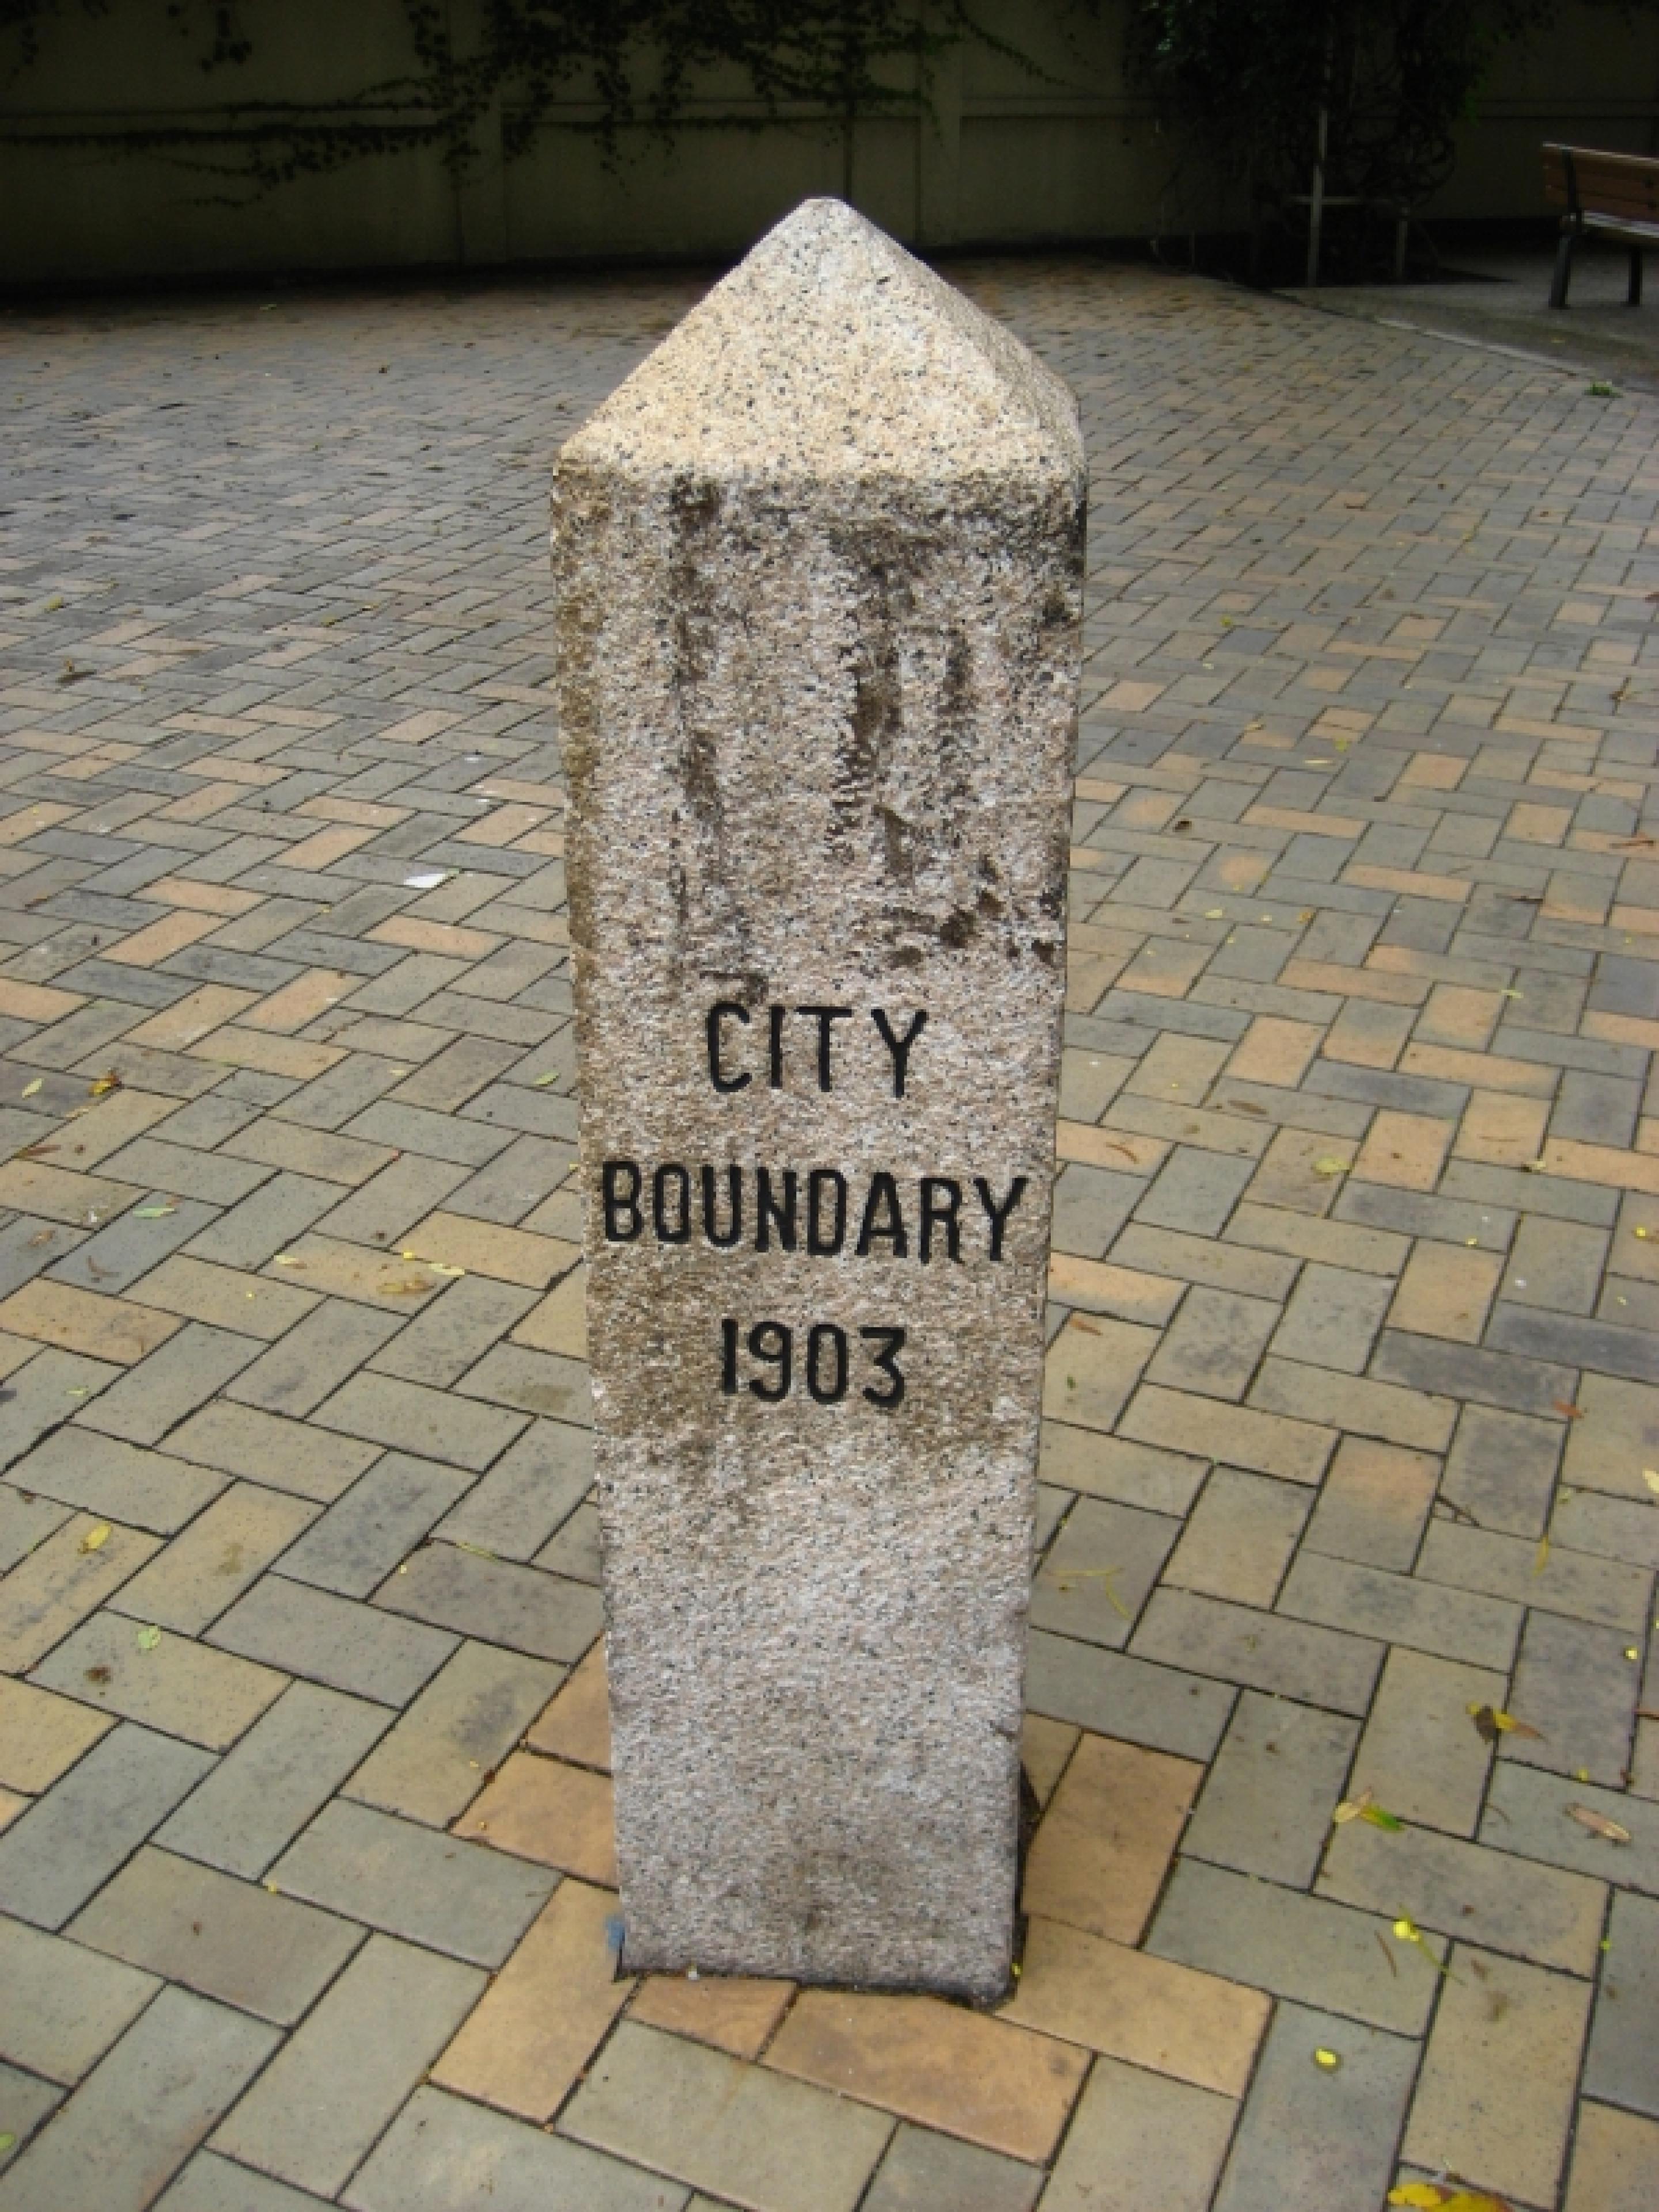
(831, 352)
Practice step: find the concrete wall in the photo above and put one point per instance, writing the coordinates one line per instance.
(1008, 158)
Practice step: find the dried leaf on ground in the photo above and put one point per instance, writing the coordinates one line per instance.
(149, 1637)
(1598, 1824)
(1332, 1166)
(1570, 1412)
(95, 1538)
(1489, 1723)
(29, 1088)
(153, 1212)
(101, 1085)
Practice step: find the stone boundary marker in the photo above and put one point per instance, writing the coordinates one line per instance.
(820, 566)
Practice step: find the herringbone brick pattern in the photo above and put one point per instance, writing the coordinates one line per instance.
(1351, 1473)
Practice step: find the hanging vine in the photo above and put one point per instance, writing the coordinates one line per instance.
(633, 63)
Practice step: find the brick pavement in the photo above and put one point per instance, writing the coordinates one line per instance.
(306, 1862)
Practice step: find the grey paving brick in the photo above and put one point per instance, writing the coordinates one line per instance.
(433, 1136)
(71, 1841)
(576, 1549)
(266, 1222)
(408, 1416)
(208, 1177)
(390, 1204)
(167, 1682)
(259, 1797)
(1360, 1405)
(1165, 1708)
(534, 1486)
(441, 2150)
(44, 1393)
(1100, 1569)
(1574, 1684)
(24, 1523)
(361, 1537)
(1266, 1809)
(212, 2184)
(61, 2006)
(1333, 1319)
(297, 1373)
(922, 2170)
(455, 1331)
(116, 1258)
(463, 1898)
(186, 1371)
(352, 2064)
(1194, 1191)
(1624, 2025)
(26, 2103)
(1523, 1385)
(1091, 1206)
(141, 2113)
(263, 1447)
(333, 1640)
(1073, 1459)
(1130, 2121)
(1557, 1580)
(495, 1601)
(1528, 1811)
(1215, 1343)
(224, 1938)
(458, 1731)
(1239, 1539)
(117, 1481)
(1306, 1948)
(226, 1548)
(1555, 1266)
(1501, 1469)
(1310, 2139)
(1322, 1666)
(1400, 1609)
(533, 1381)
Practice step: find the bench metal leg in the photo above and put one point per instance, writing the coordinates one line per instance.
(1563, 270)
(1633, 294)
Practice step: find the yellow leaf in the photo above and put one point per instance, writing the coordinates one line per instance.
(95, 1538)
(1327, 2059)
(29, 1088)
(288, 1259)
(1332, 1167)
(411, 1286)
(1425, 2195)
(148, 1638)
(1540, 1558)
(1598, 1824)
(102, 1085)
(1650, 1476)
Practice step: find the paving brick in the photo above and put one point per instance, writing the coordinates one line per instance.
(359, 1540)
(212, 2184)
(63, 1579)
(85, 1322)
(408, 1416)
(206, 1568)
(41, 1736)
(114, 1480)
(1528, 1812)
(1239, 1539)
(1555, 1579)
(1310, 2138)
(532, 1382)
(1333, 1319)
(1501, 1469)
(1132, 2122)
(1092, 1366)
(1619, 2065)
(333, 1640)
(1556, 1265)
(119, 1256)
(1148, 2011)
(1574, 1684)
(453, 1334)
(45, 1392)
(1615, 2162)
(71, 1841)
(1421, 1756)
(432, 1888)
(535, 1485)
(1099, 1570)
(1400, 1609)
(143, 2109)
(1264, 1443)
(1374, 1505)
(1165, 1708)
(295, 1374)
(1618, 1436)
(1307, 1949)
(945, 2067)
(1494, 2101)
(266, 1222)
(1467, 1889)
(441, 2151)
(1099, 1858)
(533, 2033)
(544, 1809)
(734, 2013)
(26, 2103)
(922, 2168)
(496, 1600)
(448, 1745)
(61, 2006)
(1266, 1809)
(224, 1938)
(260, 1796)
(1167, 1252)
(25, 1522)
(281, 1454)
(142, 1406)
(752, 2134)
(171, 1684)
(1215, 1344)
(366, 2045)
(1323, 1666)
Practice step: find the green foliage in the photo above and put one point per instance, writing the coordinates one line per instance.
(1395, 77)
(638, 62)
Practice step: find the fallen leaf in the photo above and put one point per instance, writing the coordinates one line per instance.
(288, 1259)
(7, 2142)
(1650, 1476)
(541, 1083)
(478, 1550)
(1327, 2059)
(95, 1538)
(410, 1286)
(153, 1212)
(1332, 1166)
(1571, 1412)
(29, 1088)
(1424, 2195)
(1598, 1824)
(1215, 913)
(99, 1673)
(1491, 1723)
(1378, 1819)
(1540, 1558)
(101, 1085)
(148, 1638)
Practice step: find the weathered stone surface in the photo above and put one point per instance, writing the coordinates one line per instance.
(819, 564)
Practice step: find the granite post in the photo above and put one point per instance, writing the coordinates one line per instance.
(819, 565)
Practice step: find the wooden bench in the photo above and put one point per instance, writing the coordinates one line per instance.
(1614, 196)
